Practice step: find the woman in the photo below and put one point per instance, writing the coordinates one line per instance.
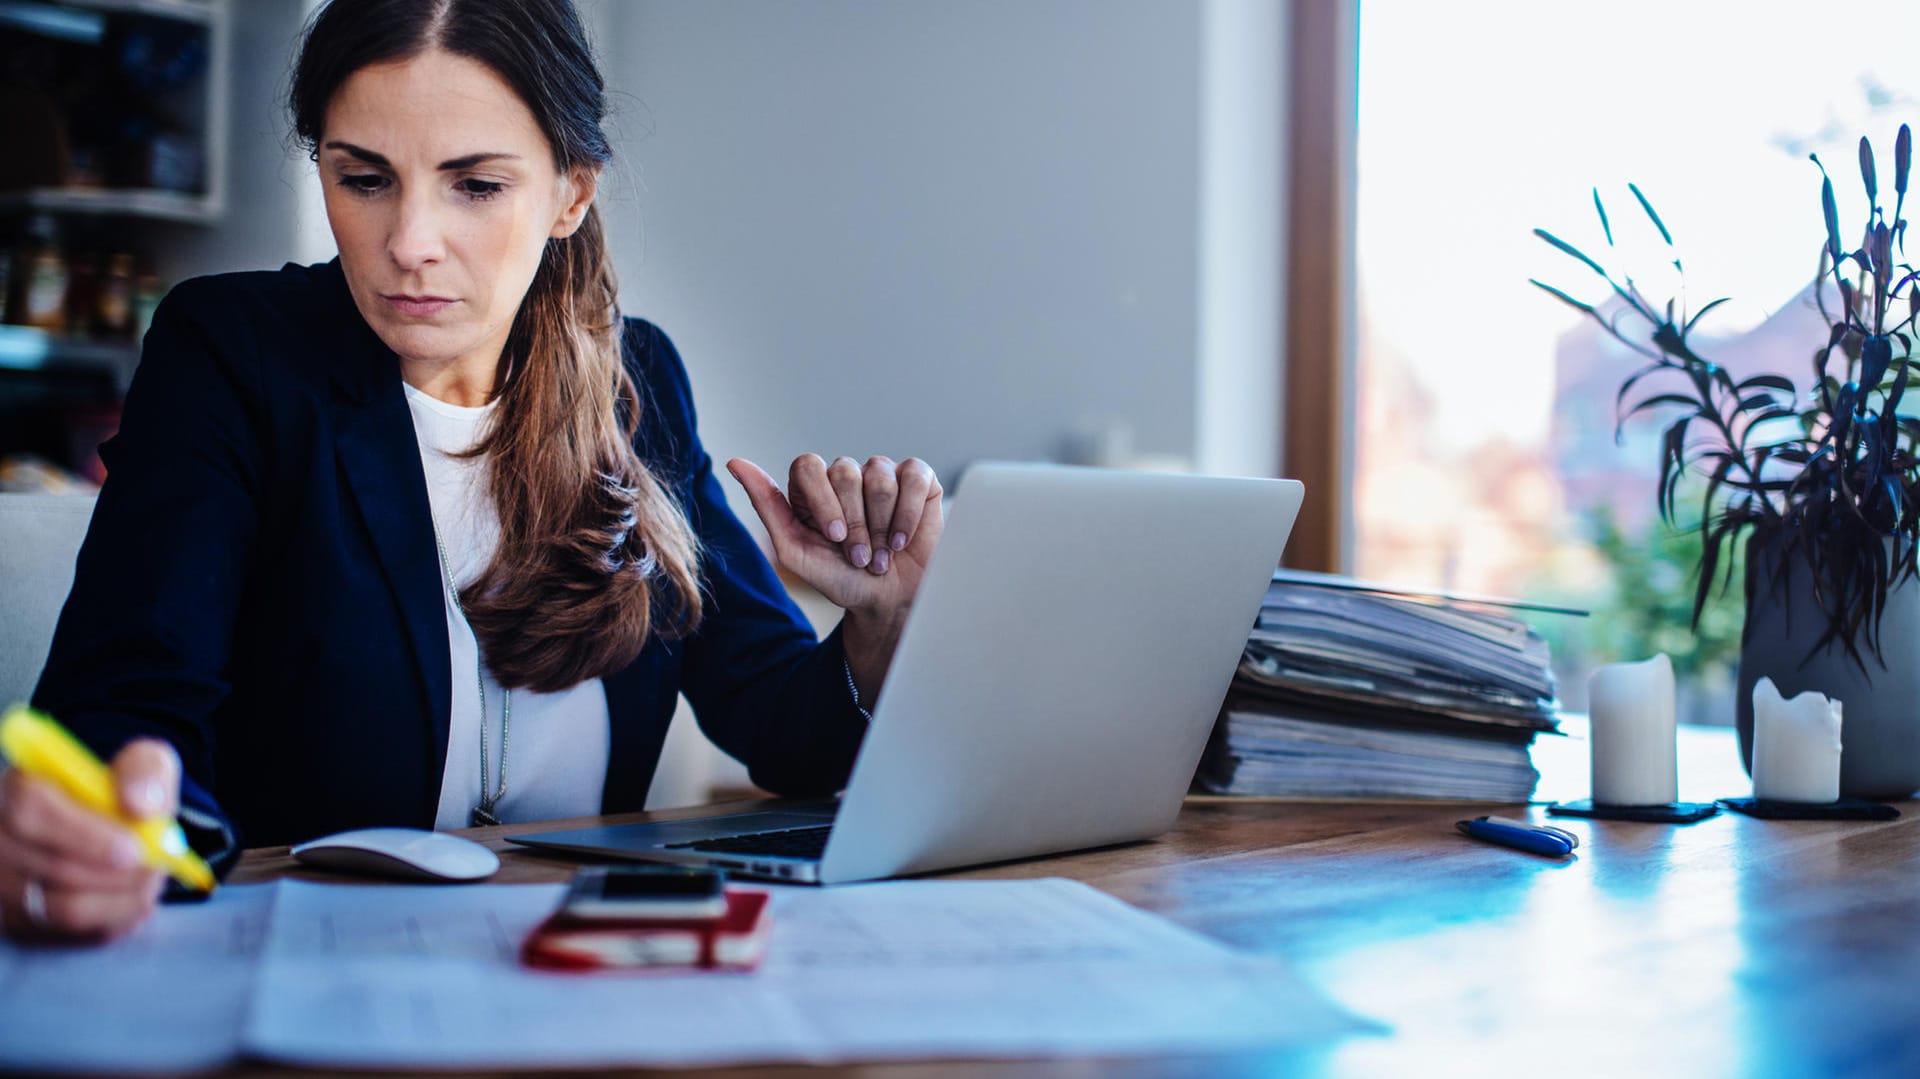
(426, 535)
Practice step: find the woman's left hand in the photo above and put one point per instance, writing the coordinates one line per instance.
(861, 535)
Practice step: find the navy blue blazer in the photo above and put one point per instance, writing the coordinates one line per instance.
(259, 585)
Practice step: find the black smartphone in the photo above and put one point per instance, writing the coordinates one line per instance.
(660, 892)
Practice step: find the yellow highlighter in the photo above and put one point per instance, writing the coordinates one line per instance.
(35, 744)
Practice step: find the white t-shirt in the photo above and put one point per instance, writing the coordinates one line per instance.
(558, 743)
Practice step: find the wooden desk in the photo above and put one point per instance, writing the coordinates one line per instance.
(1728, 947)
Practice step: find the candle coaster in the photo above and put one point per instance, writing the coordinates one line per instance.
(1844, 809)
(1671, 813)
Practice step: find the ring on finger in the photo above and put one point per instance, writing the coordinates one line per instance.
(33, 903)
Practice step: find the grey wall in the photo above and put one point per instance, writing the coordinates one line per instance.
(951, 230)
(1242, 276)
(1006, 228)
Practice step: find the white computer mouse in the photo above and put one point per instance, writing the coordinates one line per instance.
(403, 853)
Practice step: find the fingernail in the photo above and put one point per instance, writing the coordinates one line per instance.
(837, 531)
(881, 558)
(899, 541)
(861, 555)
(148, 797)
(126, 852)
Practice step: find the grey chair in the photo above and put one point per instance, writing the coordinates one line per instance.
(39, 538)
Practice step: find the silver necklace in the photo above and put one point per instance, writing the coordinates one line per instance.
(482, 814)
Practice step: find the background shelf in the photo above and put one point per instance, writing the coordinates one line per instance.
(186, 10)
(23, 348)
(115, 202)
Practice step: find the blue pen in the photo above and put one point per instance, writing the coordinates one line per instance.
(1532, 838)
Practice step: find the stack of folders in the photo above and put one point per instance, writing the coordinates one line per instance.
(1346, 690)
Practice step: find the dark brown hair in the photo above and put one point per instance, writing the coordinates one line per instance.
(594, 552)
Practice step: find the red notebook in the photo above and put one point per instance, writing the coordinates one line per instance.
(734, 941)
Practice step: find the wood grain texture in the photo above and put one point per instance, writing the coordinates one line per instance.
(1729, 947)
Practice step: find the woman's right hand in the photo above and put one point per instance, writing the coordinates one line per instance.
(69, 874)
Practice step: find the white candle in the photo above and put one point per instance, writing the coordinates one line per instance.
(1631, 706)
(1796, 746)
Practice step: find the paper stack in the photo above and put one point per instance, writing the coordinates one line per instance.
(1348, 691)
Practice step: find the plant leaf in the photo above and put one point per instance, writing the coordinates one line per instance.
(1620, 397)
(1651, 216)
(1832, 214)
(1769, 382)
(1571, 250)
(1902, 159)
(1713, 540)
(1673, 464)
(1876, 353)
(1561, 296)
(1662, 400)
(1720, 375)
(1605, 226)
(1867, 175)
(1700, 314)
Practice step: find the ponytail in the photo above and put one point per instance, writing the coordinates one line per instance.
(594, 552)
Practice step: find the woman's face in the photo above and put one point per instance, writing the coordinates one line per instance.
(442, 193)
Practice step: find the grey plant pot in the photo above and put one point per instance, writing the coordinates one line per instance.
(1880, 719)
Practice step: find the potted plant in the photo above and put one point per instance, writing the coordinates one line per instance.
(1822, 485)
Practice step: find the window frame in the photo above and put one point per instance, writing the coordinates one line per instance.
(1317, 411)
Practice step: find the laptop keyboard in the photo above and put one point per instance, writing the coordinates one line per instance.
(808, 842)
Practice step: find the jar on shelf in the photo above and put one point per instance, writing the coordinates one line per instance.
(83, 284)
(39, 280)
(147, 293)
(113, 299)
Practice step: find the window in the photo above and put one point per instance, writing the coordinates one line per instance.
(1484, 450)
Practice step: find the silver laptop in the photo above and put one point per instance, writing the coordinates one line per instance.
(1053, 689)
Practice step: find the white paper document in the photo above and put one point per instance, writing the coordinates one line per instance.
(171, 996)
(420, 976)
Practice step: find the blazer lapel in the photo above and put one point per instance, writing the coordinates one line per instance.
(380, 456)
